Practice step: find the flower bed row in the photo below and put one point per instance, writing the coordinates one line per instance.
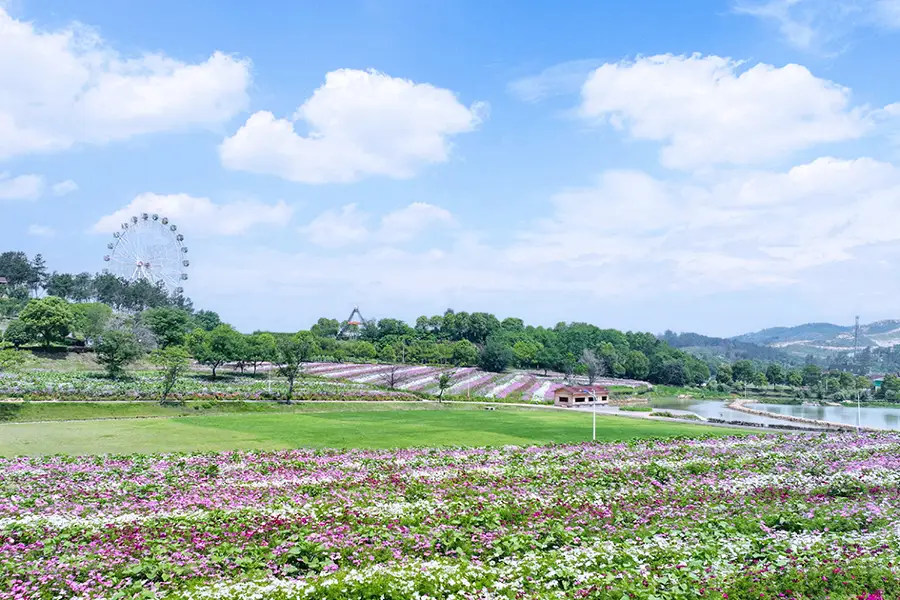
(776, 516)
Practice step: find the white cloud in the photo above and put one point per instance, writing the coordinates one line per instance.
(68, 86)
(64, 188)
(200, 216)
(41, 231)
(360, 123)
(349, 225)
(822, 25)
(731, 230)
(710, 110)
(406, 223)
(22, 187)
(333, 228)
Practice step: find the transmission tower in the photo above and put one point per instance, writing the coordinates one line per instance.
(350, 328)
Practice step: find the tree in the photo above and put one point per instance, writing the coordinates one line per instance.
(495, 356)
(325, 328)
(759, 379)
(794, 379)
(743, 370)
(292, 353)
(547, 358)
(18, 333)
(443, 384)
(775, 374)
(637, 365)
(391, 377)
(60, 284)
(174, 361)
(811, 374)
(207, 320)
(38, 273)
(593, 366)
(213, 348)
(724, 374)
(169, 325)
(90, 320)
(525, 351)
(49, 318)
(464, 353)
(115, 349)
(16, 268)
(260, 348)
(387, 354)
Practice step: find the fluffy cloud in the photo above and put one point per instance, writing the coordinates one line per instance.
(200, 216)
(360, 123)
(64, 188)
(710, 110)
(349, 225)
(68, 86)
(41, 231)
(732, 230)
(22, 187)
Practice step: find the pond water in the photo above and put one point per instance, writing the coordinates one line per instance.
(713, 409)
(882, 418)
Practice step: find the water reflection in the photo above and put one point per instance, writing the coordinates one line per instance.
(881, 418)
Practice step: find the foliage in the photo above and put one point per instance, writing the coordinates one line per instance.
(169, 325)
(49, 318)
(115, 349)
(495, 356)
(10, 359)
(207, 320)
(175, 362)
(18, 333)
(90, 319)
(216, 347)
(291, 353)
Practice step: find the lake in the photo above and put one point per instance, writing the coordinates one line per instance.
(881, 418)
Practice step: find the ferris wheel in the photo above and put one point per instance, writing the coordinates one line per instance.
(148, 247)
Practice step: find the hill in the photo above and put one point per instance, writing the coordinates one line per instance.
(824, 339)
(717, 350)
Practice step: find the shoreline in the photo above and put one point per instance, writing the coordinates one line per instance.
(738, 405)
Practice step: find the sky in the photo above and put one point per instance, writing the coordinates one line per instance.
(714, 166)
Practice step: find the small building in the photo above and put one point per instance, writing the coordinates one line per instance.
(4, 283)
(579, 395)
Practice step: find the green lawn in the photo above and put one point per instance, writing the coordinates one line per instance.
(358, 426)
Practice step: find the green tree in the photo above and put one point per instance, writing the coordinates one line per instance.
(18, 333)
(593, 366)
(443, 384)
(174, 362)
(325, 328)
(759, 379)
(464, 353)
(207, 320)
(794, 379)
(261, 347)
(495, 356)
(775, 374)
(743, 370)
(292, 353)
(216, 347)
(547, 358)
(90, 320)
(387, 354)
(115, 349)
(525, 351)
(637, 365)
(724, 374)
(50, 318)
(169, 325)
(812, 374)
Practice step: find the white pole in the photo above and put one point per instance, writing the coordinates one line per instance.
(858, 413)
(594, 433)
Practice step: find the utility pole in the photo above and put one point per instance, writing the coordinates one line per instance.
(856, 343)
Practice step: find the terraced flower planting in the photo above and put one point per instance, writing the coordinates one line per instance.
(469, 381)
(758, 517)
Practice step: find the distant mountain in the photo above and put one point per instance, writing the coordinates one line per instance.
(717, 350)
(825, 339)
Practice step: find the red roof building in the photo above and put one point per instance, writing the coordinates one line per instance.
(574, 395)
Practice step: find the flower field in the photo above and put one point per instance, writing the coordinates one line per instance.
(521, 386)
(755, 517)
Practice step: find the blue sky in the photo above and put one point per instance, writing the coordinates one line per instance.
(713, 166)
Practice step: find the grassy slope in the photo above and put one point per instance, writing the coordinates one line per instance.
(358, 428)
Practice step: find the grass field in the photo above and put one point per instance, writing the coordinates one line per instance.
(338, 426)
